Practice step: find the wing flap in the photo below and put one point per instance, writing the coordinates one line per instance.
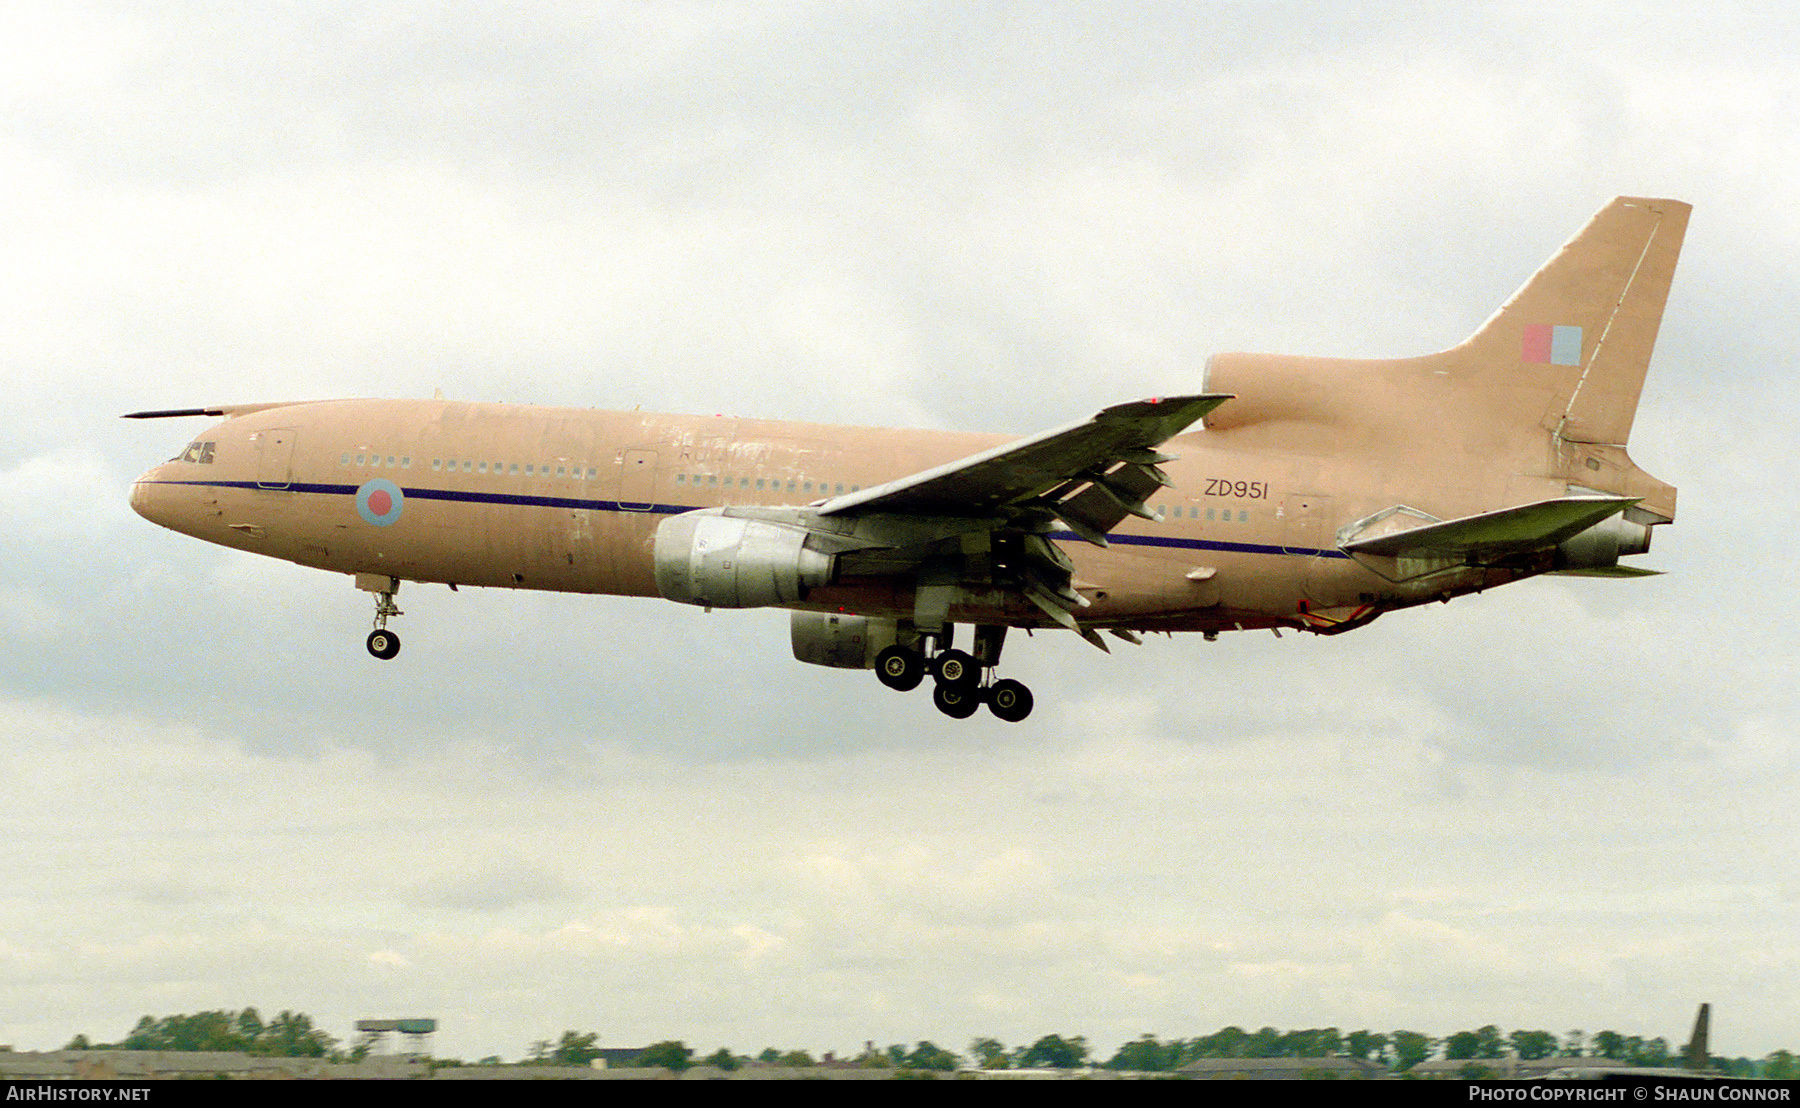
(1110, 497)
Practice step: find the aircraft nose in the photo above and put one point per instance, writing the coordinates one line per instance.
(151, 498)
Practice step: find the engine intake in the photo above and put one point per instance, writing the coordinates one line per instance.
(840, 640)
(721, 562)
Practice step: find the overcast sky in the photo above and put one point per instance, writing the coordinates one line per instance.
(1563, 804)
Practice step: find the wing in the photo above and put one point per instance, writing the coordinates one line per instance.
(977, 526)
(1090, 474)
(228, 411)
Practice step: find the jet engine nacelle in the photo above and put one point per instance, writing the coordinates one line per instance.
(1601, 546)
(842, 641)
(722, 562)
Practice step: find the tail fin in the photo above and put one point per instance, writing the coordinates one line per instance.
(1583, 327)
(1695, 1055)
(1545, 391)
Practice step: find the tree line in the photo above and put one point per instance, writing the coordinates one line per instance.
(1397, 1050)
(288, 1035)
(294, 1034)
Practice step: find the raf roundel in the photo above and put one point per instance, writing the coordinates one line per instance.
(379, 502)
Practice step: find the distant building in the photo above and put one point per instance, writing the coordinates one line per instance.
(607, 1057)
(415, 1035)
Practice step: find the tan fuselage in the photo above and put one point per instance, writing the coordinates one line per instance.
(569, 500)
(1315, 492)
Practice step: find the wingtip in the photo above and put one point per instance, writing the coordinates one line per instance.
(171, 413)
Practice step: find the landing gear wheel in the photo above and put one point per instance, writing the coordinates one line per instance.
(1009, 700)
(957, 670)
(900, 669)
(955, 701)
(384, 644)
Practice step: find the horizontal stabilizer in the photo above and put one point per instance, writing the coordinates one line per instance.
(1607, 571)
(1490, 534)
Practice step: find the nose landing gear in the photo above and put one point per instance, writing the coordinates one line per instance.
(961, 681)
(382, 643)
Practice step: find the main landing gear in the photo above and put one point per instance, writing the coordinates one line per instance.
(961, 680)
(382, 643)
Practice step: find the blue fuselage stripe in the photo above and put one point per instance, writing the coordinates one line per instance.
(462, 496)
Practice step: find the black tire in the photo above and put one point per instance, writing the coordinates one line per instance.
(955, 669)
(955, 702)
(384, 644)
(1009, 700)
(900, 669)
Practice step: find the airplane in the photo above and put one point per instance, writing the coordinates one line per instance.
(1300, 493)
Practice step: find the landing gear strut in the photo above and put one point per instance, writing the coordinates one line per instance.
(961, 682)
(382, 643)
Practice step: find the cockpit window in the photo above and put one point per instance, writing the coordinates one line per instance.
(200, 452)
